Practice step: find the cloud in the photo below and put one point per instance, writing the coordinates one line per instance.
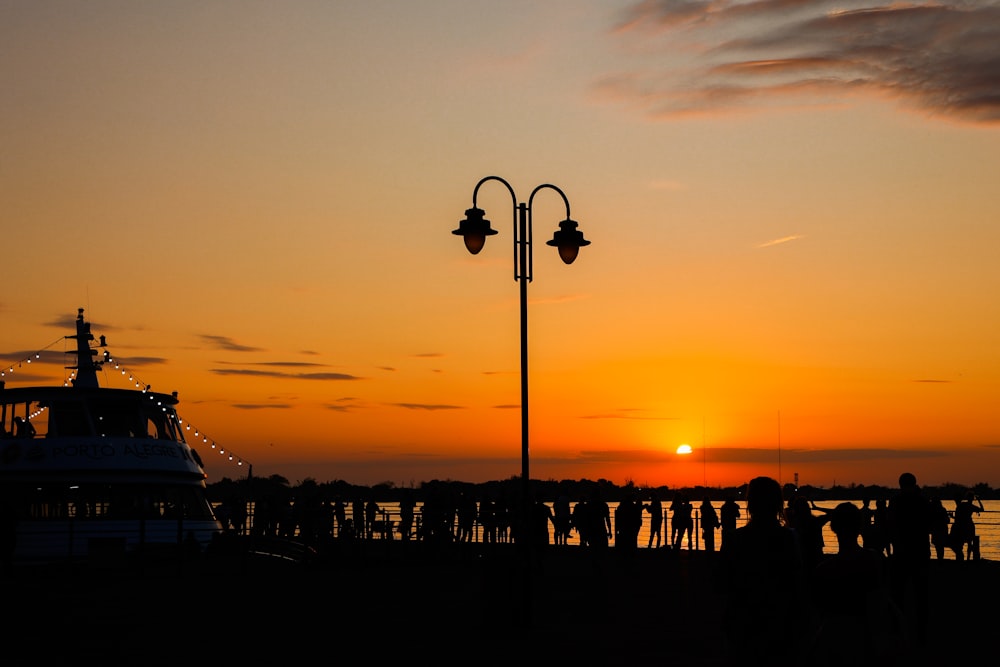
(779, 241)
(261, 406)
(227, 343)
(721, 56)
(427, 406)
(344, 404)
(285, 364)
(252, 372)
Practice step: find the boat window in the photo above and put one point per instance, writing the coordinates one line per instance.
(117, 419)
(115, 502)
(68, 419)
(159, 425)
(23, 420)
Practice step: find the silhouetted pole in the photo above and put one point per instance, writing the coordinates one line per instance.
(568, 240)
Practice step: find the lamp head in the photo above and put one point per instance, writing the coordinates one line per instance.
(568, 239)
(475, 228)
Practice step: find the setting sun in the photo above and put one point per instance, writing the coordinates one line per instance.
(684, 449)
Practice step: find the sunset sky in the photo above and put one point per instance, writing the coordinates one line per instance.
(793, 208)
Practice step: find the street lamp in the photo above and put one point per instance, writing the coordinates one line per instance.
(567, 239)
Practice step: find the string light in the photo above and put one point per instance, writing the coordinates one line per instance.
(132, 378)
(28, 359)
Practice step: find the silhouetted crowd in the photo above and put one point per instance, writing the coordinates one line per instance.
(787, 598)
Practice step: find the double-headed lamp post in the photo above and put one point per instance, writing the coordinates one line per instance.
(567, 239)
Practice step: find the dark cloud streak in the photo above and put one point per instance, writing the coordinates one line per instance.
(277, 374)
(940, 58)
(227, 343)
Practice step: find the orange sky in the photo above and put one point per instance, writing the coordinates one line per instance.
(794, 234)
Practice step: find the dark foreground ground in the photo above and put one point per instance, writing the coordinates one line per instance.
(398, 603)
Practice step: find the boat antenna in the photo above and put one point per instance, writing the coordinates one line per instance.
(86, 366)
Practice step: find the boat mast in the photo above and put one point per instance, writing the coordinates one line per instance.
(86, 367)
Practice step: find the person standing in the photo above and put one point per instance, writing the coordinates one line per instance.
(655, 509)
(729, 515)
(683, 522)
(628, 522)
(940, 520)
(562, 519)
(598, 518)
(372, 511)
(963, 529)
(909, 527)
(709, 523)
(764, 586)
(406, 505)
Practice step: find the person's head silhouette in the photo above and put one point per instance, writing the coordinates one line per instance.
(764, 502)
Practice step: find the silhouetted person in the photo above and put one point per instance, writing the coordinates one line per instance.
(729, 515)
(467, 511)
(809, 529)
(23, 428)
(909, 534)
(339, 515)
(858, 620)
(964, 541)
(562, 520)
(406, 505)
(709, 523)
(582, 522)
(880, 528)
(655, 509)
(675, 508)
(628, 522)
(540, 518)
(597, 516)
(940, 520)
(683, 521)
(763, 578)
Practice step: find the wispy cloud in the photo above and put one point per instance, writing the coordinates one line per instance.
(779, 241)
(427, 406)
(254, 372)
(261, 406)
(344, 404)
(720, 56)
(226, 343)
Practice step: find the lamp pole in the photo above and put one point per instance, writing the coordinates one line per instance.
(568, 240)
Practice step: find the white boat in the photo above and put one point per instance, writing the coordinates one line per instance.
(92, 472)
